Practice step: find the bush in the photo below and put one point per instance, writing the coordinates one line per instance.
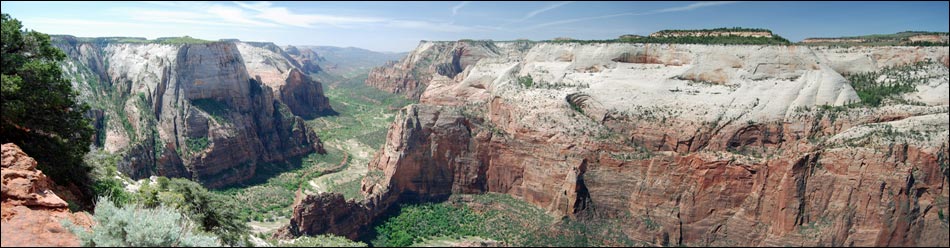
(214, 213)
(322, 241)
(134, 226)
(873, 93)
(416, 222)
(526, 81)
(196, 145)
(41, 113)
(113, 189)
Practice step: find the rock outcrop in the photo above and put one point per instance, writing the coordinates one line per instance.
(211, 112)
(411, 75)
(326, 213)
(304, 96)
(308, 59)
(694, 144)
(31, 210)
(699, 33)
(911, 38)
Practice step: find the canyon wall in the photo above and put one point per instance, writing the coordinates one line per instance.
(211, 111)
(689, 144)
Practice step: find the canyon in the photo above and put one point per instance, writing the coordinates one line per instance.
(745, 145)
(208, 111)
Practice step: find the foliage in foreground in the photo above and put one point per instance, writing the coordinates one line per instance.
(133, 225)
(214, 213)
(40, 111)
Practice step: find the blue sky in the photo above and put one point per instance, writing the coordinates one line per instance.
(399, 26)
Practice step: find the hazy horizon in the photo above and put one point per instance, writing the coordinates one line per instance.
(399, 26)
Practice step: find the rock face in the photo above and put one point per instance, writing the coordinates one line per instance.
(304, 96)
(194, 110)
(306, 58)
(411, 75)
(329, 213)
(31, 210)
(696, 144)
(667, 33)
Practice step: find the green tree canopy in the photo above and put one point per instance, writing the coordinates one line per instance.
(40, 110)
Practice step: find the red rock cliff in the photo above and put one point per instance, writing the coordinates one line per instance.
(753, 161)
(31, 210)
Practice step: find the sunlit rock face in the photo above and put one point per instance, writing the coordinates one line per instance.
(211, 112)
(690, 144)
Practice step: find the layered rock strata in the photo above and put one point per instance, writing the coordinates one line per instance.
(690, 144)
(31, 209)
(211, 112)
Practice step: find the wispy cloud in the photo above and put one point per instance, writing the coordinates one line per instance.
(281, 15)
(252, 14)
(666, 10)
(81, 22)
(533, 13)
(431, 26)
(455, 10)
(693, 6)
(582, 19)
(542, 10)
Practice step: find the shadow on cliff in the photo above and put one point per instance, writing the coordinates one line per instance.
(266, 171)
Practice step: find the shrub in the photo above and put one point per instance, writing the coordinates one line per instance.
(197, 144)
(132, 225)
(873, 92)
(218, 214)
(41, 113)
(416, 222)
(322, 241)
(526, 81)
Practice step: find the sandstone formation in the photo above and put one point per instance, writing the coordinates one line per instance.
(832, 40)
(308, 59)
(31, 210)
(710, 144)
(935, 38)
(411, 75)
(900, 38)
(666, 33)
(210, 112)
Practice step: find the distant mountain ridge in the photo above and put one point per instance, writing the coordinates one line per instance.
(349, 61)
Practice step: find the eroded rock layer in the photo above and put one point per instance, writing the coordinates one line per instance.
(31, 209)
(211, 112)
(691, 144)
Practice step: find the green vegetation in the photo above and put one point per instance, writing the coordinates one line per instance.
(897, 80)
(365, 114)
(217, 109)
(41, 113)
(322, 241)
(897, 39)
(498, 217)
(732, 29)
(270, 193)
(163, 40)
(196, 145)
(415, 222)
(526, 81)
(132, 225)
(713, 40)
(350, 190)
(213, 213)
